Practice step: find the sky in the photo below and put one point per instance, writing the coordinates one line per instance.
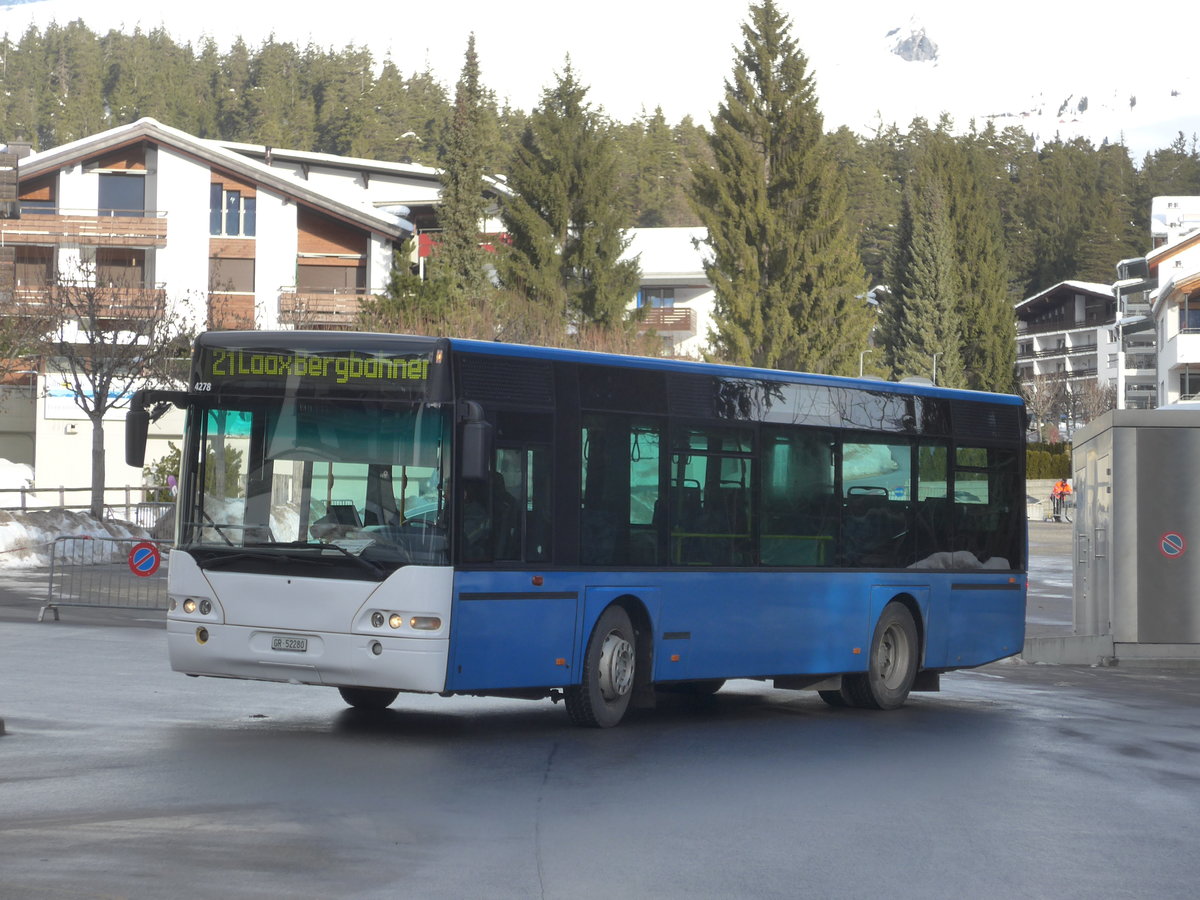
(637, 55)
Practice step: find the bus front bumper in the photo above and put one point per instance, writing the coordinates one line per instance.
(305, 657)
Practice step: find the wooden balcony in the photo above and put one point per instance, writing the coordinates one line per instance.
(231, 311)
(87, 228)
(100, 303)
(668, 318)
(335, 309)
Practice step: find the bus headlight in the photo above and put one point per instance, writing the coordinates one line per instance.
(396, 620)
(205, 607)
(189, 606)
(377, 619)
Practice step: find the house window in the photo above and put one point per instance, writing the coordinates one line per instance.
(330, 278)
(655, 297)
(1189, 385)
(231, 276)
(1189, 313)
(122, 195)
(34, 267)
(120, 268)
(230, 213)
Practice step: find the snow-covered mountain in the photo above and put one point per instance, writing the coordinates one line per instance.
(1053, 68)
(1123, 89)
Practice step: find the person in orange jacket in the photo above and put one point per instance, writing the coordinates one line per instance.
(1058, 496)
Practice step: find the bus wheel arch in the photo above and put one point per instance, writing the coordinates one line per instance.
(893, 661)
(615, 666)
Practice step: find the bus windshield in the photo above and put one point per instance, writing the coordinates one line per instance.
(345, 484)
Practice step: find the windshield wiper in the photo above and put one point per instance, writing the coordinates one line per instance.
(307, 555)
(354, 556)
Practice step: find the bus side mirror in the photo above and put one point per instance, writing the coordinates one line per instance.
(476, 446)
(137, 426)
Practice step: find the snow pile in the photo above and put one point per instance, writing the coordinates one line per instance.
(26, 536)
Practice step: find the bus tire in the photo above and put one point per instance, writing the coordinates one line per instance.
(368, 698)
(602, 697)
(833, 698)
(892, 667)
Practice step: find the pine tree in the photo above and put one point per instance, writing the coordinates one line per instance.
(928, 290)
(281, 110)
(1172, 171)
(426, 116)
(460, 261)
(76, 82)
(565, 231)
(1110, 234)
(233, 88)
(873, 196)
(1057, 211)
(656, 173)
(788, 281)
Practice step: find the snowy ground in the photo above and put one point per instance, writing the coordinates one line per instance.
(26, 536)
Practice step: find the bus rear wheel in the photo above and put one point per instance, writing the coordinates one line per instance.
(609, 665)
(893, 663)
(368, 698)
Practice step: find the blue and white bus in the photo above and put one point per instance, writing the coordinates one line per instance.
(385, 514)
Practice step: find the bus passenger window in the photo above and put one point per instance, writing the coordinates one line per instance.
(620, 512)
(711, 476)
(877, 504)
(986, 492)
(799, 507)
(934, 516)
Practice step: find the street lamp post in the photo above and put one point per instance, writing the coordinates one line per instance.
(935, 356)
(860, 361)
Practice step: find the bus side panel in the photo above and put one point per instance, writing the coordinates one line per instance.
(984, 621)
(728, 625)
(508, 633)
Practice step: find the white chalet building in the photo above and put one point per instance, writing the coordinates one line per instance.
(227, 235)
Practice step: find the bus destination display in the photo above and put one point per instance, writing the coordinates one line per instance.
(219, 367)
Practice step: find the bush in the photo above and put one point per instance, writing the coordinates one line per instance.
(1048, 461)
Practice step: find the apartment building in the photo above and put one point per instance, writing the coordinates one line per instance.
(1137, 381)
(1068, 332)
(1175, 309)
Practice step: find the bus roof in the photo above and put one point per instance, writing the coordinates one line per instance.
(526, 351)
(372, 341)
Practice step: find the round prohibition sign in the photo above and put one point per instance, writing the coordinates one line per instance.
(1172, 545)
(144, 559)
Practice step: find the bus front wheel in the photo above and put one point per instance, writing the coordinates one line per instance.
(368, 698)
(893, 663)
(603, 694)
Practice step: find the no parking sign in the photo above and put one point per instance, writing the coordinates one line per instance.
(1172, 545)
(144, 559)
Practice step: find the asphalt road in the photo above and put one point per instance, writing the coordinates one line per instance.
(119, 778)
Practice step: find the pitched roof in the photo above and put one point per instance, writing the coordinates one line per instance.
(215, 154)
(1087, 287)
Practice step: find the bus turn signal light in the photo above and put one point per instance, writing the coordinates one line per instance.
(426, 623)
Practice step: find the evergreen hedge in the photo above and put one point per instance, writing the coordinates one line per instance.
(1044, 460)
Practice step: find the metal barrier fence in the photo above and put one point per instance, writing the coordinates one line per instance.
(117, 573)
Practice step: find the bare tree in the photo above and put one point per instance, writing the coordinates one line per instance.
(1043, 397)
(106, 341)
(1095, 399)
